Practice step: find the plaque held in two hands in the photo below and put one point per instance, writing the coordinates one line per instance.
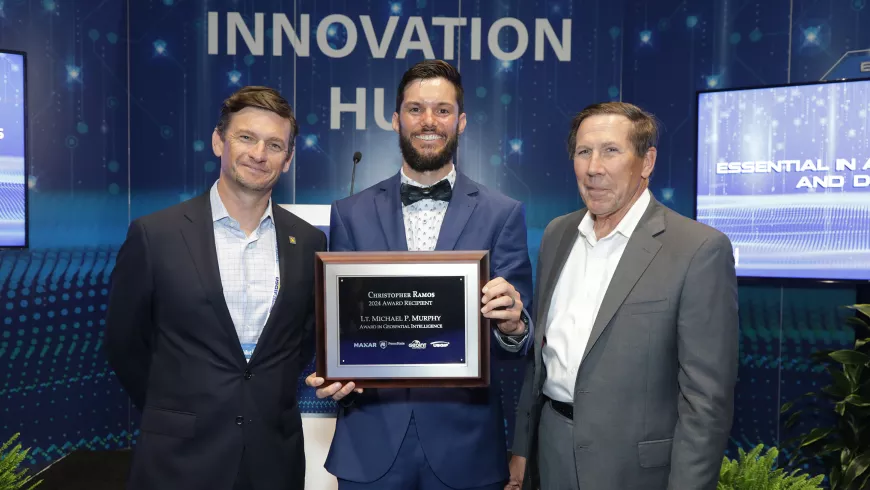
(402, 319)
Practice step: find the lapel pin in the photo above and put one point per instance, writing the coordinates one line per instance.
(292, 240)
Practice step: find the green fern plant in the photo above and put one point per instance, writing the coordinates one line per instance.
(751, 471)
(843, 447)
(10, 477)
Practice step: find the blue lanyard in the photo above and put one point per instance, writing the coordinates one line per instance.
(277, 274)
(249, 347)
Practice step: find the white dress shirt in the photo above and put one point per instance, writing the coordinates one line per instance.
(249, 270)
(423, 218)
(577, 298)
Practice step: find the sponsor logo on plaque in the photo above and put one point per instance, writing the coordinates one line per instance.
(416, 344)
(439, 343)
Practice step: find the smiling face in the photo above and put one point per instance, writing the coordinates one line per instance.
(610, 175)
(254, 150)
(429, 124)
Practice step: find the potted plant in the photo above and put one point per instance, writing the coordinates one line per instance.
(11, 478)
(844, 447)
(751, 471)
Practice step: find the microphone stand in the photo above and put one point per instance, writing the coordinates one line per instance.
(352, 178)
(357, 156)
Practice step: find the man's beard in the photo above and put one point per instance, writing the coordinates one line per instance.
(426, 163)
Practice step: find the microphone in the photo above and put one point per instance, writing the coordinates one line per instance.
(357, 156)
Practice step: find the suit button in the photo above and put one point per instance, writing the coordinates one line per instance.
(248, 374)
(240, 420)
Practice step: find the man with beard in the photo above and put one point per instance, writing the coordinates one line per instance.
(212, 312)
(446, 438)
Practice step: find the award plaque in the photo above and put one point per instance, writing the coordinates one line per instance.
(402, 319)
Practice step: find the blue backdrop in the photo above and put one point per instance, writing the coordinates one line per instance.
(121, 118)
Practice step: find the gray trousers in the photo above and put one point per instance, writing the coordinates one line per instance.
(556, 451)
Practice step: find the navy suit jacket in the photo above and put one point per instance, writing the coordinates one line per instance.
(173, 345)
(461, 430)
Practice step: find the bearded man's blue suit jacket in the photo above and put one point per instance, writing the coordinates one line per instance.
(461, 430)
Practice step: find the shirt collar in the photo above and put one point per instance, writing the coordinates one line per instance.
(626, 226)
(451, 178)
(219, 211)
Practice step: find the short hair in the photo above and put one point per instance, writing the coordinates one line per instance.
(644, 133)
(262, 98)
(429, 69)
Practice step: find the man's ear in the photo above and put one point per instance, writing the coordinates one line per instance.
(217, 143)
(649, 163)
(289, 160)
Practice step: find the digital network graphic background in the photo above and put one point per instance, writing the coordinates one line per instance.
(120, 124)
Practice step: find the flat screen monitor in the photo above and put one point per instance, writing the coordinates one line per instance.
(784, 172)
(13, 150)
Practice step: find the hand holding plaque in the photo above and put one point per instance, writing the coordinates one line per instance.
(404, 319)
(502, 303)
(336, 390)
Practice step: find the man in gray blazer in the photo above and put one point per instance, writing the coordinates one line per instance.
(631, 381)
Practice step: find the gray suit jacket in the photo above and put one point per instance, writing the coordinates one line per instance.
(653, 400)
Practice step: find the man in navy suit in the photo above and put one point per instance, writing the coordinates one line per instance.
(441, 438)
(211, 312)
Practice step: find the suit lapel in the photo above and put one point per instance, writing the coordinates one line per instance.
(289, 258)
(198, 233)
(563, 250)
(569, 234)
(388, 205)
(461, 206)
(642, 247)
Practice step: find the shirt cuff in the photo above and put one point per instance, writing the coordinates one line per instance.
(513, 343)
